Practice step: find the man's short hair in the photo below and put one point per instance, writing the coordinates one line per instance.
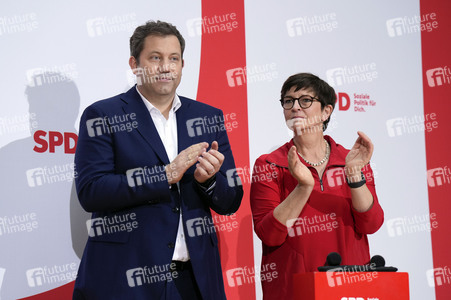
(322, 90)
(157, 28)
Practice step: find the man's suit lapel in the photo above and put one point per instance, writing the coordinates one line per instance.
(183, 140)
(146, 127)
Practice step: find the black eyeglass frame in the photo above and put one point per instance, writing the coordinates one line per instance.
(312, 99)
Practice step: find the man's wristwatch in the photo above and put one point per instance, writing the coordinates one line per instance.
(354, 185)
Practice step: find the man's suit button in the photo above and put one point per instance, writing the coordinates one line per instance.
(175, 209)
(171, 245)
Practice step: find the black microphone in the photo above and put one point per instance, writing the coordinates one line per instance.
(333, 261)
(377, 261)
(377, 264)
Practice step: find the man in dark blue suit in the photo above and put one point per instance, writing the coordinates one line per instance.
(146, 172)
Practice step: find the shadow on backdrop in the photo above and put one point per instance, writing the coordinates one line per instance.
(38, 199)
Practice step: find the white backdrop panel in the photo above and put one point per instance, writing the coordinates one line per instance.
(318, 37)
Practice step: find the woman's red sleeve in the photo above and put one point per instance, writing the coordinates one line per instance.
(265, 197)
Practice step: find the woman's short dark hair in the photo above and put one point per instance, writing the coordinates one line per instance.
(158, 28)
(322, 90)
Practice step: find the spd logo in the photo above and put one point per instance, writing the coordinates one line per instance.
(53, 139)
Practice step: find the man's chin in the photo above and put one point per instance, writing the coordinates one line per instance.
(161, 84)
(165, 90)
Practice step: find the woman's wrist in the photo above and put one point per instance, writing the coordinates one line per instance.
(305, 187)
(353, 173)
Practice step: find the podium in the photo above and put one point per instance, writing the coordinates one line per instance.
(351, 286)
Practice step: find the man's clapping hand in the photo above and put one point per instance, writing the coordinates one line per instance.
(184, 160)
(208, 162)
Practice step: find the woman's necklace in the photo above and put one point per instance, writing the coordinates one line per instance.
(320, 162)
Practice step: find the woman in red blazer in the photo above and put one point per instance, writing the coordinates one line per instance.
(311, 196)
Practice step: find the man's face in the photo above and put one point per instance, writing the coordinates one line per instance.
(159, 70)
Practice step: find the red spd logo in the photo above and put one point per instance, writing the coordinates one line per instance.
(52, 139)
(343, 100)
